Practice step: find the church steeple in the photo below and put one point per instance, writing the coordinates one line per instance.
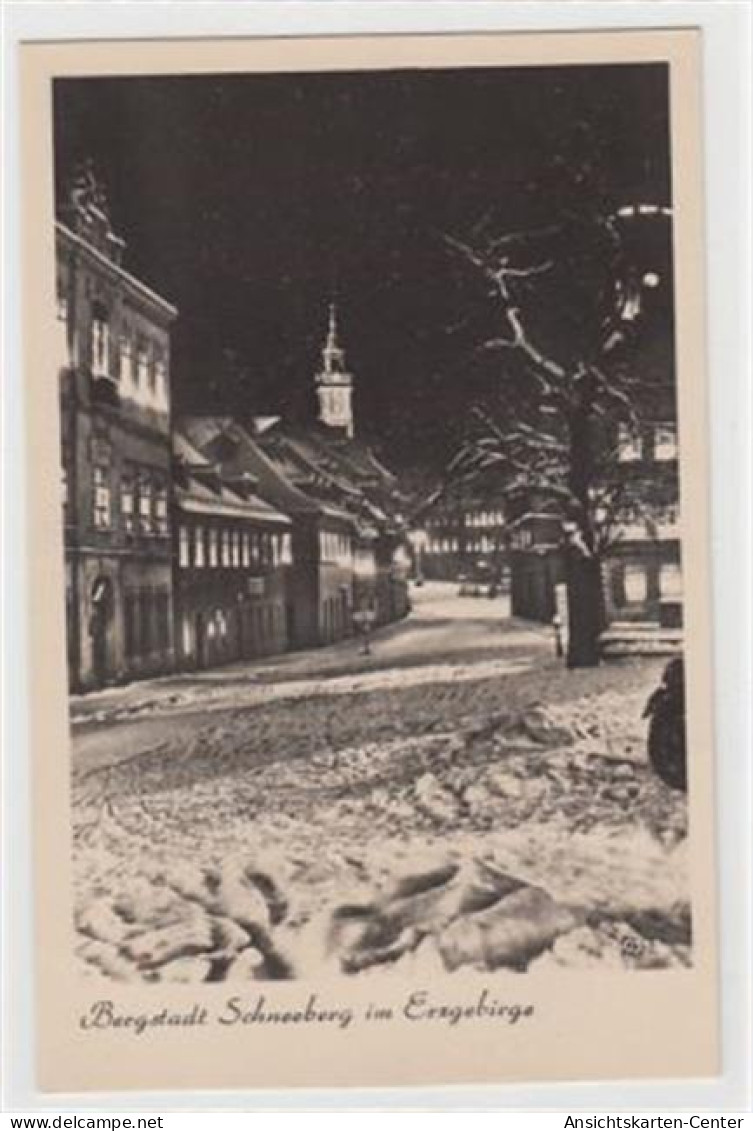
(334, 384)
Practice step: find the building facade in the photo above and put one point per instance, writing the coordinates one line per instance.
(232, 554)
(643, 571)
(462, 536)
(113, 347)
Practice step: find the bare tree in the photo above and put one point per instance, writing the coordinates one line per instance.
(569, 302)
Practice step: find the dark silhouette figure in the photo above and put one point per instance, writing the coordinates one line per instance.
(666, 732)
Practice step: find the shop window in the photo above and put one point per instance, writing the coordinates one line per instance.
(102, 498)
(187, 637)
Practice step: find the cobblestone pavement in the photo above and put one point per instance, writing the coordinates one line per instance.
(465, 802)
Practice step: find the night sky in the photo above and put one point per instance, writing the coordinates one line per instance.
(250, 201)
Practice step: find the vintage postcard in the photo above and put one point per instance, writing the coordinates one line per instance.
(370, 561)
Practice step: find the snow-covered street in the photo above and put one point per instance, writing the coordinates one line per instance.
(457, 798)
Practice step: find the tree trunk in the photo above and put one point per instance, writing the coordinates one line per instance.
(585, 610)
(585, 593)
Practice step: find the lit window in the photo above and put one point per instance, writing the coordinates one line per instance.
(126, 357)
(245, 549)
(126, 502)
(145, 505)
(629, 446)
(151, 369)
(226, 547)
(100, 341)
(102, 513)
(665, 442)
(160, 379)
(236, 548)
(198, 547)
(286, 555)
(160, 509)
(670, 579)
(142, 362)
(184, 548)
(636, 588)
(213, 546)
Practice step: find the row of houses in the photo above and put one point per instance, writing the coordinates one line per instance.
(197, 541)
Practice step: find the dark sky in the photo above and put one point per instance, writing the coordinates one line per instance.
(250, 200)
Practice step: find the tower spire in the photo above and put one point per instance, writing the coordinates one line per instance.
(334, 384)
(333, 354)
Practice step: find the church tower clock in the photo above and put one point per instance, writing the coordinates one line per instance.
(334, 384)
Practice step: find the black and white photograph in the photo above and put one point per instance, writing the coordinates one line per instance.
(371, 521)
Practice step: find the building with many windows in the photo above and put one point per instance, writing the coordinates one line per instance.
(320, 576)
(232, 558)
(113, 347)
(461, 535)
(642, 572)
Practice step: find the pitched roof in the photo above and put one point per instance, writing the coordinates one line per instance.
(227, 442)
(196, 495)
